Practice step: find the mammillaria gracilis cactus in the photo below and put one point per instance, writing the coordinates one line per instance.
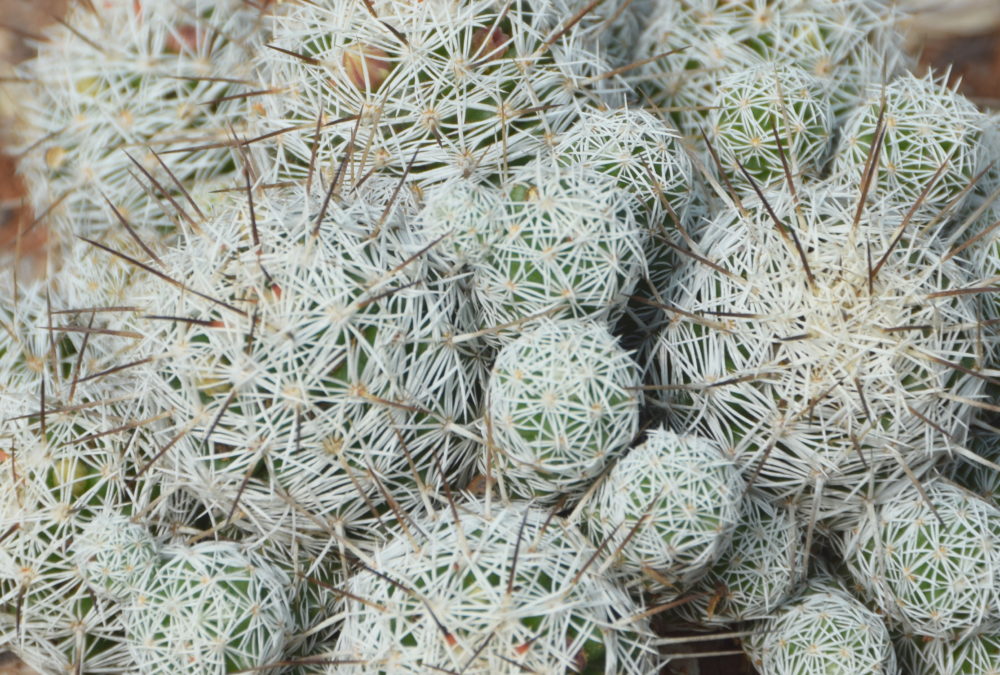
(134, 80)
(490, 591)
(562, 401)
(668, 509)
(823, 630)
(267, 388)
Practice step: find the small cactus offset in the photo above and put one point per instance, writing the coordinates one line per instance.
(823, 630)
(114, 553)
(930, 561)
(930, 144)
(641, 151)
(499, 337)
(458, 223)
(562, 401)
(209, 608)
(668, 509)
(767, 121)
(571, 245)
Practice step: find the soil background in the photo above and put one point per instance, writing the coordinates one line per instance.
(962, 34)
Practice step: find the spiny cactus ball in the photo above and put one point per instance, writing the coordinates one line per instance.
(641, 151)
(315, 360)
(921, 655)
(54, 481)
(490, 591)
(768, 120)
(982, 246)
(207, 608)
(133, 78)
(822, 631)
(929, 559)
(430, 89)
(930, 148)
(562, 400)
(570, 245)
(668, 509)
(113, 552)
(756, 573)
(813, 347)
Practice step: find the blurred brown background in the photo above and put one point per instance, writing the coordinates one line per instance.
(963, 33)
(19, 21)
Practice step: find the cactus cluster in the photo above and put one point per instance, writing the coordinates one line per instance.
(488, 337)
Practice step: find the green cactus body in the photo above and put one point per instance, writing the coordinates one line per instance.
(131, 78)
(974, 655)
(571, 246)
(454, 598)
(324, 367)
(561, 404)
(754, 105)
(927, 128)
(641, 152)
(207, 609)
(823, 631)
(669, 508)
(846, 44)
(459, 222)
(930, 562)
(113, 553)
(51, 487)
(780, 399)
